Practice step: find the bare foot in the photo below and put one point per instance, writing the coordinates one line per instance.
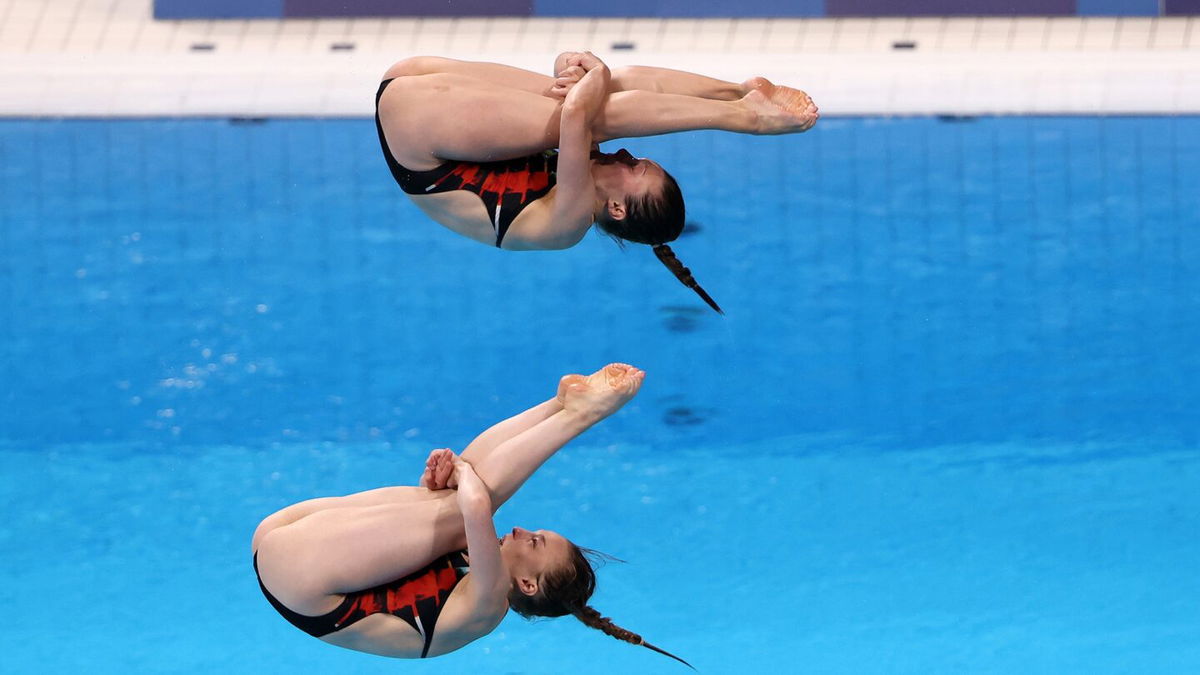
(602, 393)
(780, 110)
(564, 382)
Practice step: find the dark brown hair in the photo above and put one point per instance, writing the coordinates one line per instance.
(655, 220)
(567, 590)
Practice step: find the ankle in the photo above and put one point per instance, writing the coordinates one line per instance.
(579, 420)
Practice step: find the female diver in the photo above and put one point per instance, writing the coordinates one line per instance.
(470, 144)
(385, 571)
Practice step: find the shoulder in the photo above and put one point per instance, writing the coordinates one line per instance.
(465, 618)
(542, 226)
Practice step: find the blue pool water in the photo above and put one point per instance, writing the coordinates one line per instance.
(948, 424)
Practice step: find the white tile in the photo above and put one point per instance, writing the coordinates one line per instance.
(156, 37)
(1170, 34)
(433, 38)
(468, 36)
(646, 34)
(1193, 32)
(885, 33)
(854, 36)
(714, 36)
(192, 33)
(576, 25)
(994, 34)
(294, 36)
(226, 30)
(645, 29)
(575, 34)
(61, 10)
(1137, 24)
(538, 35)
(816, 35)
(297, 28)
(332, 29)
(1064, 34)
(679, 35)
(892, 27)
(50, 37)
(609, 30)
(1133, 34)
(748, 35)
(27, 9)
(1029, 33)
(84, 37)
(118, 41)
(398, 36)
(261, 33)
(132, 9)
(504, 34)
(16, 36)
(959, 34)
(1098, 33)
(504, 37)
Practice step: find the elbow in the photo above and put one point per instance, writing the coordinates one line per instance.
(479, 504)
(574, 114)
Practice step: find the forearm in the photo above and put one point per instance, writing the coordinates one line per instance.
(487, 441)
(488, 584)
(506, 468)
(476, 507)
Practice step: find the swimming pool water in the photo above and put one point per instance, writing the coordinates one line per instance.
(948, 424)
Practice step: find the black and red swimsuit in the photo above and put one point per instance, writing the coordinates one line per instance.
(506, 187)
(417, 598)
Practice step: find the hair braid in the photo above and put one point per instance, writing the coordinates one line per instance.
(591, 618)
(667, 256)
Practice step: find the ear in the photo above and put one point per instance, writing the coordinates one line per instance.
(528, 586)
(616, 210)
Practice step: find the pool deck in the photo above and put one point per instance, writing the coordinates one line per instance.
(109, 58)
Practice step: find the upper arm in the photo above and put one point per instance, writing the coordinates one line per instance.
(576, 193)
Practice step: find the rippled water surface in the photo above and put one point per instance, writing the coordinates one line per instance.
(948, 424)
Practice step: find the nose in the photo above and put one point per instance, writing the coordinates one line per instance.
(517, 532)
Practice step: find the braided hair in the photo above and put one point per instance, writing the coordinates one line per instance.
(567, 590)
(656, 220)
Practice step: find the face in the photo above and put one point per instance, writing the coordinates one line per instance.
(530, 555)
(620, 175)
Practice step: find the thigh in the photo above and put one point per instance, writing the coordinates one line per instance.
(428, 119)
(495, 73)
(293, 513)
(339, 550)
